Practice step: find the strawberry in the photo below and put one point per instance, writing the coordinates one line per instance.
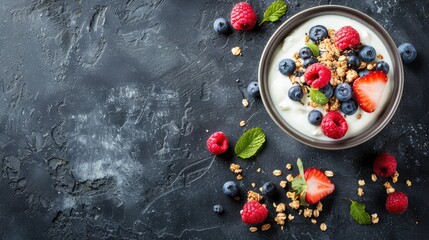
(369, 88)
(313, 187)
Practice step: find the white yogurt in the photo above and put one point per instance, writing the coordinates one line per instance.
(294, 113)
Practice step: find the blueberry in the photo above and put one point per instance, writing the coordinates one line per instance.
(343, 92)
(305, 53)
(309, 61)
(295, 93)
(269, 189)
(408, 52)
(367, 53)
(353, 62)
(299, 73)
(349, 107)
(218, 209)
(230, 189)
(318, 33)
(349, 53)
(327, 90)
(287, 66)
(253, 89)
(221, 25)
(363, 72)
(315, 117)
(383, 66)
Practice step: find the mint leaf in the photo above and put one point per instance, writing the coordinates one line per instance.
(250, 143)
(274, 12)
(313, 47)
(357, 211)
(318, 97)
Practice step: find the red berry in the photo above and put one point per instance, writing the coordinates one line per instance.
(243, 17)
(217, 143)
(317, 75)
(369, 88)
(253, 213)
(396, 202)
(385, 165)
(334, 125)
(347, 37)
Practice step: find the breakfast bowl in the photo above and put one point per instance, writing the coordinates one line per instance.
(292, 115)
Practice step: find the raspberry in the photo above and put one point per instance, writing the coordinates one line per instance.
(217, 143)
(253, 213)
(347, 37)
(243, 17)
(317, 75)
(397, 202)
(334, 125)
(385, 165)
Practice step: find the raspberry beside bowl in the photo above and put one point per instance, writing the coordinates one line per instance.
(268, 59)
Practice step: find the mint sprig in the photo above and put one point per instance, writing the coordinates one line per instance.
(274, 12)
(250, 143)
(318, 97)
(358, 213)
(314, 48)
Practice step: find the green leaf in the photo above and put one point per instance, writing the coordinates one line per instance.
(274, 12)
(250, 143)
(313, 47)
(357, 211)
(318, 97)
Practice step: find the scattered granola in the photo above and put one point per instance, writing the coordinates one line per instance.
(319, 206)
(373, 177)
(291, 195)
(283, 184)
(235, 168)
(253, 229)
(289, 177)
(288, 166)
(316, 213)
(277, 172)
(239, 177)
(253, 184)
(294, 204)
(245, 102)
(323, 227)
(361, 183)
(280, 218)
(236, 51)
(389, 188)
(374, 218)
(395, 177)
(308, 212)
(290, 217)
(408, 182)
(265, 227)
(329, 173)
(258, 170)
(281, 207)
(253, 196)
(242, 123)
(314, 221)
(360, 192)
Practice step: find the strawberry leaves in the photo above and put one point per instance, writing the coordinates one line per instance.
(299, 184)
(274, 12)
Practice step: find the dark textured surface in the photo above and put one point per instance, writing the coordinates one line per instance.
(104, 110)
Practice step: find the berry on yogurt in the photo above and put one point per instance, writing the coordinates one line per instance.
(318, 33)
(287, 66)
(367, 54)
(295, 93)
(305, 53)
(343, 92)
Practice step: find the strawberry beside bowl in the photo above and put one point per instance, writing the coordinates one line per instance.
(365, 81)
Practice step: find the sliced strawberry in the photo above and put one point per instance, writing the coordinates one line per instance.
(369, 88)
(314, 187)
(318, 185)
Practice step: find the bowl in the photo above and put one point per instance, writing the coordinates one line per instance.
(384, 114)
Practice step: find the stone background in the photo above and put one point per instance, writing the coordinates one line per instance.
(104, 107)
